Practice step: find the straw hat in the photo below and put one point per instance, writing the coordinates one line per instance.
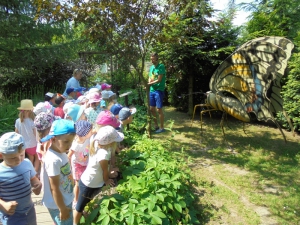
(26, 104)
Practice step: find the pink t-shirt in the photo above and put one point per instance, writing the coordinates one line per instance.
(58, 111)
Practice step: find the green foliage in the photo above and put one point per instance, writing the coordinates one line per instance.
(155, 190)
(291, 93)
(194, 48)
(8, 106)
(8, 116)
(280, 18)
(276, 17)
(34, 52)
(137, 127)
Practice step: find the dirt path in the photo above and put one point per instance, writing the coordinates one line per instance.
(220, 209)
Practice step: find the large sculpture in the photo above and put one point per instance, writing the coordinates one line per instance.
(248, 81)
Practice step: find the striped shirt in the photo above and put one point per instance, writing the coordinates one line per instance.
(15, 185)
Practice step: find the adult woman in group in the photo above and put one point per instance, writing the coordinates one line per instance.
(73, 82)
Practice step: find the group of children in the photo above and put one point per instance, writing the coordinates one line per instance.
(72, 157)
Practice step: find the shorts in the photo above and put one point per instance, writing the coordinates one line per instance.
(156, 99)
(55, 215)
(31, 151)
(28, 218)
(86, 194)
(77, 170)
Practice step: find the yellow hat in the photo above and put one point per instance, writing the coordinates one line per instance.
(26, 104)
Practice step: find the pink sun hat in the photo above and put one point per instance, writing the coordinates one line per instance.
(106, 117)
(105, 86)
(94, 97)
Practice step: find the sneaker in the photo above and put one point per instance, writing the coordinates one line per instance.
(160, 131)
(156, 128)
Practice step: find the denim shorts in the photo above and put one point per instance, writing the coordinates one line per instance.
(156, 99)
(86, 194)
(55, 215)
(28, 218)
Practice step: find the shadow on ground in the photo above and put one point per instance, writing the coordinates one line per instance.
(209, 143)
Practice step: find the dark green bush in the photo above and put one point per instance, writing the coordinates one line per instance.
(291, 93)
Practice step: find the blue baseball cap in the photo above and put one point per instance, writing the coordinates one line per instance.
(115, 109)
(125, 112)
(70, 90)
(10, 142)
(60, 127)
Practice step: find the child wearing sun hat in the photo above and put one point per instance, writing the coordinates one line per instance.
(24, 125)
(42, 123)
(42, 107)
(79, 153)
(115, 109)
(94, 107)
(126, 116)
(56, 172)
(75, 112)
(17, 180)
(106, 118)
(96, 174)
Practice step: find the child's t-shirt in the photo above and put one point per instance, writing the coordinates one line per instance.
(15, 185)
(93, 175)
(81, 152)
(103, 104)
(91, 114)
(58, 111)
(56, 163)
(26, 130)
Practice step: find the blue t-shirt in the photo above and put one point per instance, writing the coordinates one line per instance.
(72, 83)
(15, 185)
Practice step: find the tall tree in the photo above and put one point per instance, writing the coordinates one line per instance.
(32, 52)
(195, 45)
(127, 29)
(273, 17)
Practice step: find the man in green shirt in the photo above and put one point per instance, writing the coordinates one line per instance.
(157, 83)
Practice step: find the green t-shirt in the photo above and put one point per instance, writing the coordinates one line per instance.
(153, 73)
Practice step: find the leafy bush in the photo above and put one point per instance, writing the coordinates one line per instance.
(8, 106)
(290, 93)
(154, 190)
(8, 116)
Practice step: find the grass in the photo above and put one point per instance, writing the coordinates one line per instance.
(251, 178)
(8, 107)
(244, 178)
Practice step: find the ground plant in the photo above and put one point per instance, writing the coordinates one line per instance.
(155, 190)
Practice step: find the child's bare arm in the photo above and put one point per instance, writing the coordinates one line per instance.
(36, 185)
(58, 197)
(16, 130)
(104, 166)
(70, 153)
(8, 207)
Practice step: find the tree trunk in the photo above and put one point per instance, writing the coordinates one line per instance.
(149, 115)
(190, 94)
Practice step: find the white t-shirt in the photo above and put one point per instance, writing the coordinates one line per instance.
(56, 163)
(26, 129)
(93, 175)
(81, 152)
